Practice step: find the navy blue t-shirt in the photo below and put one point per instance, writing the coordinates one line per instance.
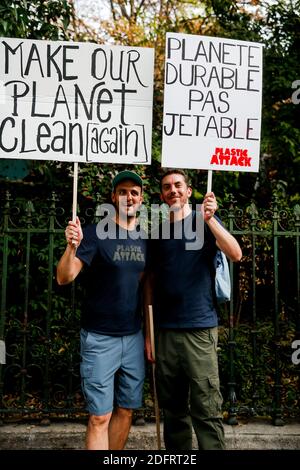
(112, 281)
(183, 290)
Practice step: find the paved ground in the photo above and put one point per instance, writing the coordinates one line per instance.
(254, 435)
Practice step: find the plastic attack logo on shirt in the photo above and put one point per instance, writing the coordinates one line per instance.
(128, 253)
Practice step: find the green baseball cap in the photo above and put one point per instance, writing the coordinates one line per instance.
(126, 175)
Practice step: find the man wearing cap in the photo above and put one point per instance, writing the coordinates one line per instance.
(112, 345)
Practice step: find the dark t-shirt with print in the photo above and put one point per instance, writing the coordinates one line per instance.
(112, 275)
(183, 274)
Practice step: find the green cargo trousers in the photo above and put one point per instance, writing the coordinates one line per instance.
(188, 388)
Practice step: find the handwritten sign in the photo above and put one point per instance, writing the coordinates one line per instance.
(75, 102)
(212, 103)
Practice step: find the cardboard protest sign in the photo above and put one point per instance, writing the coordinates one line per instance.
(75, 102)
(212, 103)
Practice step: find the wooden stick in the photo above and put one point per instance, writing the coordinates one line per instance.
(209, 181)
(75, 190)
(75, 184)
(156, 407)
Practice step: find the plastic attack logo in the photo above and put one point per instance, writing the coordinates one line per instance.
(231, 157)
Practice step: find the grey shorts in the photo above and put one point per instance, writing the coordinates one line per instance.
(112, 371)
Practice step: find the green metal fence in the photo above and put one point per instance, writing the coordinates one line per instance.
(40, 321)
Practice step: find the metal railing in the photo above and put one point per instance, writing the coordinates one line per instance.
(40, 321)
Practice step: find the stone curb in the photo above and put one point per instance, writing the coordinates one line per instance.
(70, 436)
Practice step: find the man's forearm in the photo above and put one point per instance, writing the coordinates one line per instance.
(69, 266)
(225, 241)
